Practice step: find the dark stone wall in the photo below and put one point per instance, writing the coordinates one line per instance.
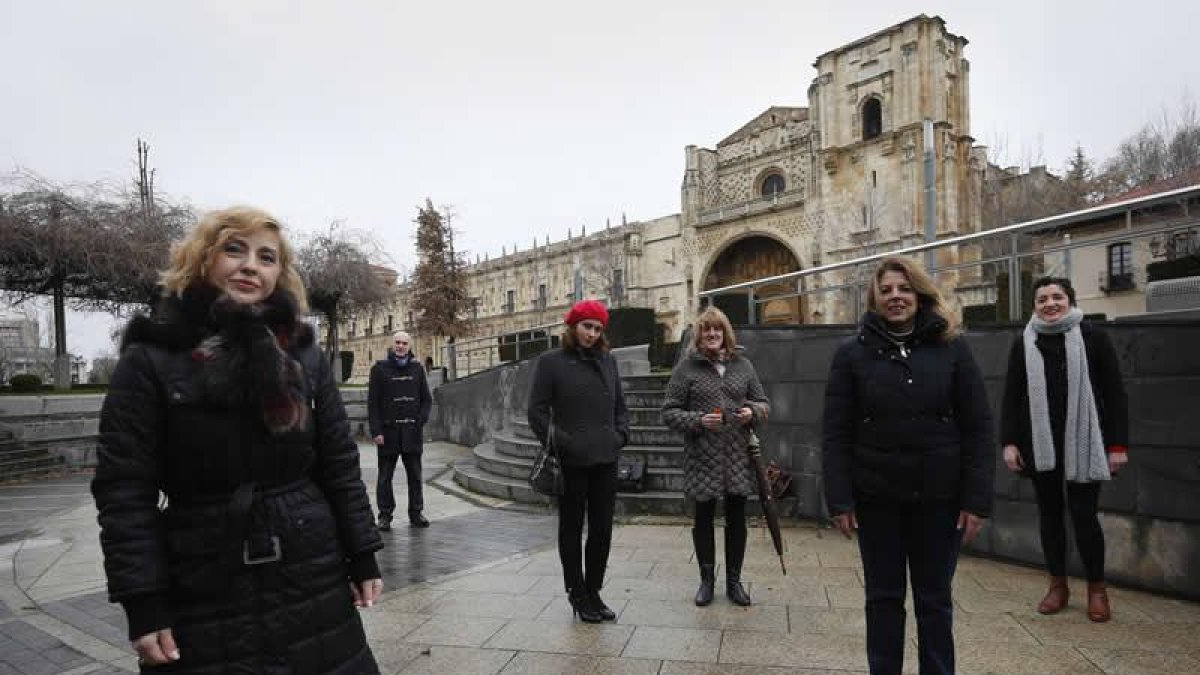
(469, 410)
(1150, 512)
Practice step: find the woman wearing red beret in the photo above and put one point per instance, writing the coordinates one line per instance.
(576, 400)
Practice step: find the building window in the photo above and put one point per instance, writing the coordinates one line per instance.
(618, 286)
(510, 301)
(541, 297)
(370, 326)
(389, 324)
(1120, 266)
(772, 184)
(872, 118)
(410, 321)
(353, 328)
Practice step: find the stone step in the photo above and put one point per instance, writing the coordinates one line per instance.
(19, 451)
(669, 478)
(670, 456)
(638, 435)
(657, 381)
(644, 398)
(29, 467)
(509, 466)
(638, 417)
(470, 476)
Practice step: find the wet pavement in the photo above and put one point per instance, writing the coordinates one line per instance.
(480, 592)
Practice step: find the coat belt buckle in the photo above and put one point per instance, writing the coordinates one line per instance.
(275, 555)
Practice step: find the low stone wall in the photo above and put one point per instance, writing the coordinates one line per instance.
(67, 426)
(1150, 513)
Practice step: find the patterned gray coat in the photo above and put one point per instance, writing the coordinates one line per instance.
(715, 463)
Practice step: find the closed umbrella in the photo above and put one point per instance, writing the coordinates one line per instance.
(765, 497)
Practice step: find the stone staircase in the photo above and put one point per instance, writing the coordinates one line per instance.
(500, 467)
(20, 461)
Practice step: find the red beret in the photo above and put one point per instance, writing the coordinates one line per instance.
(587, 309)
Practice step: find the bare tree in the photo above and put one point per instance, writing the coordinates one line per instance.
(338, 269)
(93, 246)
(1161, 149)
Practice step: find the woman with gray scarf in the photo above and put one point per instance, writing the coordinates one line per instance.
(1065, 419)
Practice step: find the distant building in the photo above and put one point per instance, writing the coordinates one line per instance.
(1112, 276)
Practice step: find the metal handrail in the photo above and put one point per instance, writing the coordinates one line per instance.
(1050, 222)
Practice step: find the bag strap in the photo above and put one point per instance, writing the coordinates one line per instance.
(550, 449)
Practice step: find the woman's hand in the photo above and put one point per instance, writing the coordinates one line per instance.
(744, 415)
(1012, 458)
(847, 523)
(969, 523)
(712, 421)
(366, 592)
(1117, 461)
(157, 648)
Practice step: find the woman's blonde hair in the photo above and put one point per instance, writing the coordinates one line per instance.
(929, 296)
(192, 257)
(711, 316)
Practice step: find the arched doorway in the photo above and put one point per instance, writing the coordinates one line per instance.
(755, 257)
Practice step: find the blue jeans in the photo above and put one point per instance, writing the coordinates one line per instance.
(917, 540)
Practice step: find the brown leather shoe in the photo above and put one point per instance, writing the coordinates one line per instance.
(1056, 598)
(1097, 608)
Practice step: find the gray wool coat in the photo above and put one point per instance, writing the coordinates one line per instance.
(715, 462)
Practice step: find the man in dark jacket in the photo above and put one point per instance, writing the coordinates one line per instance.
(398, 404)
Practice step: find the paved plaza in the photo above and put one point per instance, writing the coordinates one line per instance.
(480, 593)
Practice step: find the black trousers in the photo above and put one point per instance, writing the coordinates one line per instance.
(385, 499)
(919, 541)
(1082, 500)
(592, 492)
(735, 533)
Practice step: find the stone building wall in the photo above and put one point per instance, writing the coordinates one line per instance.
(846, 186)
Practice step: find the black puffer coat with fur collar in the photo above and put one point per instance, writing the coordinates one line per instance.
(232, 413)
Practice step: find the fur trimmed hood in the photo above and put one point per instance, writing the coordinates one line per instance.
(243, 350)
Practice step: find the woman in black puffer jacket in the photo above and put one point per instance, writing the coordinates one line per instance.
(908, 459)
(222, 402)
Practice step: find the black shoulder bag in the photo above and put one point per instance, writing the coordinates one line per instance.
(546, 476)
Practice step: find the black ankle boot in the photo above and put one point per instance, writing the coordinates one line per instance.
(708, 579)
(581, 606)
(602, 609)
(734, 589)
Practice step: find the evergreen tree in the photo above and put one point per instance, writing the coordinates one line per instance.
(1080, 179)
(439, 284)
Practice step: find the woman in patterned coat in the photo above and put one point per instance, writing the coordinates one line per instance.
(713, 397)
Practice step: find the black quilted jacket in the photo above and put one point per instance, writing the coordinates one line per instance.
(907, 428)
(715, 463)
(237, 494)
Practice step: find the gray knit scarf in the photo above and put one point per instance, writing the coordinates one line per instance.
(1084, 460)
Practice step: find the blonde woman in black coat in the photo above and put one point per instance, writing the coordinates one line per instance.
(222, 402)
(712, 398)
(909, 459)
(1065, 424)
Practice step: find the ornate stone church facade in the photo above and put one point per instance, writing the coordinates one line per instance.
(793, 188)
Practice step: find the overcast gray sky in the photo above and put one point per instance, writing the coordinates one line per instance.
(529, 117)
